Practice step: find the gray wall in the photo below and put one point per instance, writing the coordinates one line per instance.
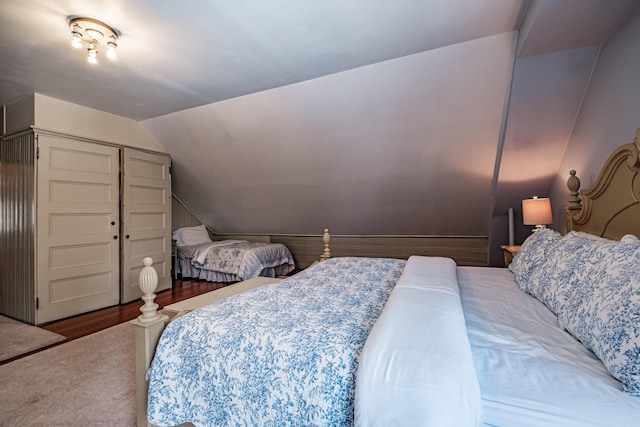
(609, 117)
(401, 147)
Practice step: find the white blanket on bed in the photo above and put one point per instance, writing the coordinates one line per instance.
(200, 254)
(416, 368)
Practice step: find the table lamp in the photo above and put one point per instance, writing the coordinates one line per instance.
(536, 211)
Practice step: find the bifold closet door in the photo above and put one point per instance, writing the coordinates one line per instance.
(146, 219)
(77, 227)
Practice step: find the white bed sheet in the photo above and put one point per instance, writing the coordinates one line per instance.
(531, 372)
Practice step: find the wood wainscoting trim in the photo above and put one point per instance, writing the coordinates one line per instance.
(469, 251)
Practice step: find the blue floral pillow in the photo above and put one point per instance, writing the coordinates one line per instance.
(530, 260)
(605, 313)
(574, 267)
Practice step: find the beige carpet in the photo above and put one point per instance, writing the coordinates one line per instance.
(18, 338)
(85, 382)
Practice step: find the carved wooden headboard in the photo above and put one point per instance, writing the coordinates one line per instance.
(611, 208)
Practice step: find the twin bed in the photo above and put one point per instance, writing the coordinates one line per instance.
(228, 260)
(554, 340)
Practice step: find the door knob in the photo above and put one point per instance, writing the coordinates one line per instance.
(115, 237)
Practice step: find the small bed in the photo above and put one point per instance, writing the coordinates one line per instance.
(554, 340)
(228, 260)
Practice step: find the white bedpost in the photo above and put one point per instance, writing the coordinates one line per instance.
(148, 328)
(326, 237)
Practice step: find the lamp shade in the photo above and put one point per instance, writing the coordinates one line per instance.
(536, 211)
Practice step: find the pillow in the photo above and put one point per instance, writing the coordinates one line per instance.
(187, 236)
(605, 315)
(572, 270)
(529, 262)
(590, 236)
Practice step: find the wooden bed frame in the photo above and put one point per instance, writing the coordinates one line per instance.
(610, 209)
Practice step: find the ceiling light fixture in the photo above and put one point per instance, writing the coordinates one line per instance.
(93, 33)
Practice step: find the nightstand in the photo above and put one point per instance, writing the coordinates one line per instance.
(509, 253)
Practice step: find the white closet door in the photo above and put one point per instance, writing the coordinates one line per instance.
(78, 244)
(146, 219)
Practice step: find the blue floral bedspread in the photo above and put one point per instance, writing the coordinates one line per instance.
(281, 354)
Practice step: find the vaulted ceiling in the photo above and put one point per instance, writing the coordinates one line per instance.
(368, 116)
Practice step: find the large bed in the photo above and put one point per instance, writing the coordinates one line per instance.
(228, 260)
(554, 340)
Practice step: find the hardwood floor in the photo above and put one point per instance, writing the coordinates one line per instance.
(88, 323)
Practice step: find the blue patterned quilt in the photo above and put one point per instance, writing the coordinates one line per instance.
(281, 354)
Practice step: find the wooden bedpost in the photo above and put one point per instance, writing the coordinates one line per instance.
(575, 204)
(148, 328)
(573, 183)
(326, 253)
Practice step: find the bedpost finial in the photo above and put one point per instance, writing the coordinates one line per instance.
(326, 253)
(148, 282)
(573, 184)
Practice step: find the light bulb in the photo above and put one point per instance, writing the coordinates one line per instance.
(111, 49)
(93, 53)
(76, 36)
(76, 41)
